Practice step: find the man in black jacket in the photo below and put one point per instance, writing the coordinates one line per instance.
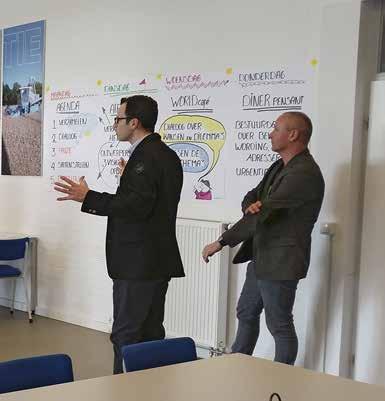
(279, 215)
(141, 248)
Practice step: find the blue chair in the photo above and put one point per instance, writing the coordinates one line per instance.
(154, 354)
(12, 250)
(38, 371)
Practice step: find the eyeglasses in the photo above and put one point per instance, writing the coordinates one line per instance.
(117, 119)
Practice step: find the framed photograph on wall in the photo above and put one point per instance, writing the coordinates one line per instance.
(22, 99)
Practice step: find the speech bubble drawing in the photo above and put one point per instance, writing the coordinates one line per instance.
(194, 158)
(186, 129)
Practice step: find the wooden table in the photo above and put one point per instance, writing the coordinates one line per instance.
(227, 378)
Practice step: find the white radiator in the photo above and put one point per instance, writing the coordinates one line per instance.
(196, 306)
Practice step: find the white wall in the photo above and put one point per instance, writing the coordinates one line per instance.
(341, 118)
(370, 354)
(91, 39)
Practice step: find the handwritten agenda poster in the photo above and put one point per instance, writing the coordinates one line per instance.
(217, 123)
(80, 140)
(260, 97)
(193, 120)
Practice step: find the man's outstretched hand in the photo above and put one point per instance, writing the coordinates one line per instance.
(210, 250)
(75, 191)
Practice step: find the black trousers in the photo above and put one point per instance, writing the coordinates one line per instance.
(138, 314)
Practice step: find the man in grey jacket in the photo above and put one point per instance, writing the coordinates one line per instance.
(279, 216)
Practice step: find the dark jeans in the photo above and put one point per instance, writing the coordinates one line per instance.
(138, 314)
(277, 298)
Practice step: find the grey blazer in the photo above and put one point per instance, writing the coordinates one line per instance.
(278, 238)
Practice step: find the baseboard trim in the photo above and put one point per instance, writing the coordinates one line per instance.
(62, 316)
(78, 320)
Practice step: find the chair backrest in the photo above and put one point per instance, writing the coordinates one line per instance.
(12, 249)
(153, 354)
(38, 371)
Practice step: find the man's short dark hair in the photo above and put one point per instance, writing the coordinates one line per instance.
(307, 124)
(144, 108)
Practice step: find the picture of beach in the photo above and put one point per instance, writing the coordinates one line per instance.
(22, 95)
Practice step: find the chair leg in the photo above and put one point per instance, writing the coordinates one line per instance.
(13, 296)
(27, 301)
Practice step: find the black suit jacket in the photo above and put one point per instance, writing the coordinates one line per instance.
(141, 241)
(278, 238)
